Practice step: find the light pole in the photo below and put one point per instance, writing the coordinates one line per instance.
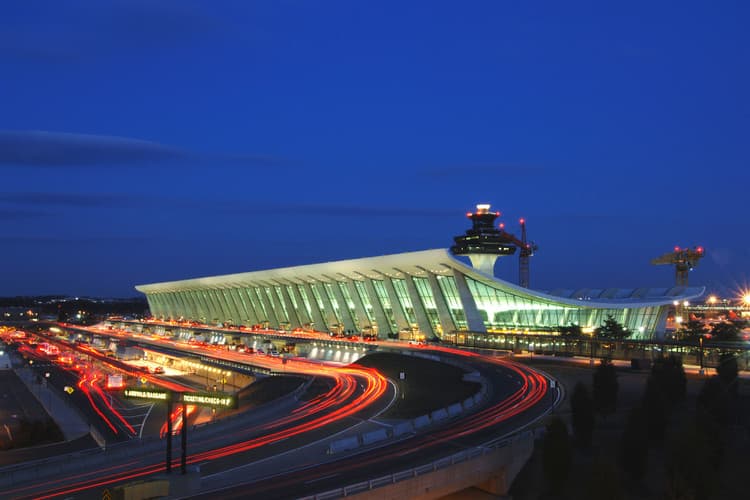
(700, 355)
(46, 385)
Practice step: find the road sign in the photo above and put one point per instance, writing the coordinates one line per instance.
(213, 399)
(149, 394)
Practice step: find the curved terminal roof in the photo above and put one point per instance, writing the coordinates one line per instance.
(437, 261)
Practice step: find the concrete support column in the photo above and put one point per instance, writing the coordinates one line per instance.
(321, 323)
(473, 319)
(446, 320)
(303, 314)
(220, 304)
(384, 326)
(153, 304)
(180, 300)
(255, 304)
(248, 313)
(236, 314)
(272, 318)
(294, 317)
(359, 306)
(416, 301)
(398, 309)
(346, 315)
(331, 318)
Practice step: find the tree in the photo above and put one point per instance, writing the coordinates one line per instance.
(668, 378)
(726, 330)
(604, 481)
(713, 403)
(728, 371)
(572, 331)
(611, 330)
(691, 464)
(666, 389)
(582, 408)
(556, 455)
(633, 453)
(694, 329)
(605, 388)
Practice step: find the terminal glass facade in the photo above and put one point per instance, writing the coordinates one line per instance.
(428, 293)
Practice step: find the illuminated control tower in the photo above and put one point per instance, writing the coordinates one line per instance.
(484, 242)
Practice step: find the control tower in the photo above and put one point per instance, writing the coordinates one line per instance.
(484, 242)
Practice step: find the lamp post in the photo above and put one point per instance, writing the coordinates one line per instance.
(46, 385)
(701, 371)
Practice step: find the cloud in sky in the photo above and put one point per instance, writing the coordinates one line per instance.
(21, 214)
(330, 210)
(74, 200)
(485, 169)
(57, 149)
(60, 149)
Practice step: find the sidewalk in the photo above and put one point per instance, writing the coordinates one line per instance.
(70, 422)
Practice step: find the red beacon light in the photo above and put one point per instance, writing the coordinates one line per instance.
(502, 225)
(700, 249)
(676, 249)
(522, 221)
(469, 214)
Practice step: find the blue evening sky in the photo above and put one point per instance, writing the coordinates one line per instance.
(143, 141)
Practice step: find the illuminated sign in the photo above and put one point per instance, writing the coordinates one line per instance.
(151, 394)
(209, 399)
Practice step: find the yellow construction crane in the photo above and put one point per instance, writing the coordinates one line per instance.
(683, 260)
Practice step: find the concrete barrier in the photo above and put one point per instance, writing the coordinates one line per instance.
(421, 421)
(402, 428)
(454, 409)
(374, 436)
(344, 444)
(468, 403)
(439, 415)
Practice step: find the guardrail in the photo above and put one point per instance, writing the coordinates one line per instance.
(351, 443)
(413, 472)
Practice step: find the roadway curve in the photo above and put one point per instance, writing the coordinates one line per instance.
(355, 392)
(520, 395)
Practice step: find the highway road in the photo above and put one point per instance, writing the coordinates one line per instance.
(518, 396)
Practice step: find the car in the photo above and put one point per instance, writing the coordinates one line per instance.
(159, 370)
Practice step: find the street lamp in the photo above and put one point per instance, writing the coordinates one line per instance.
(46, 385)
(700, 354)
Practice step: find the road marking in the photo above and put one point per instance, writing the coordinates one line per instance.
(322, 478)
(143, 425)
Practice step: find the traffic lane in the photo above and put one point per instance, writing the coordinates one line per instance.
(301, 440)
(383, 461)
(61, 378)
(146, 464)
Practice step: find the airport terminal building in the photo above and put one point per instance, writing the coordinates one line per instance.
(429, 293)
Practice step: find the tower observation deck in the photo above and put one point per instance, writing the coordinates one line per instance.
(484, 242)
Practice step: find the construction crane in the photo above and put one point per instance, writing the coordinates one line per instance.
(683, 259)
(527, 250)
